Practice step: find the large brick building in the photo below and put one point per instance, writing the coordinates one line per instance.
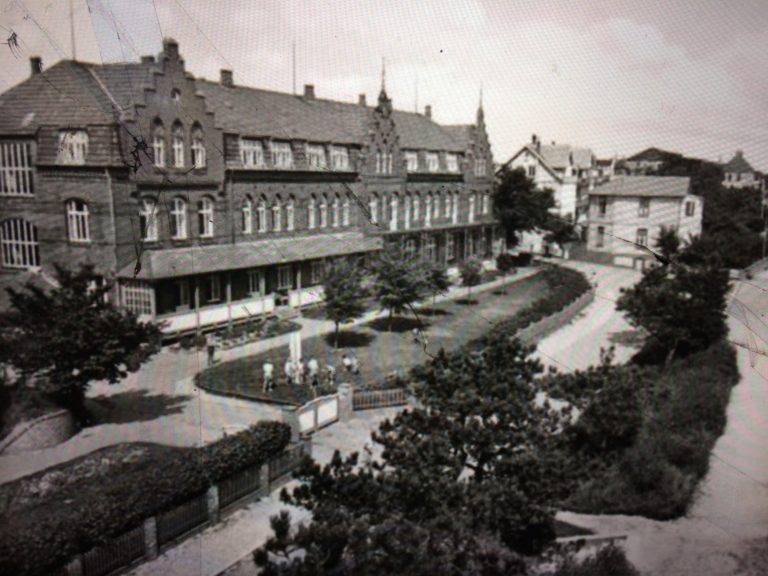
(209, 202)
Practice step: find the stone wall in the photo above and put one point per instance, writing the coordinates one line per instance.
(538, 330)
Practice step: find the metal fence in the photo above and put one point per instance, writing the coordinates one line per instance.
(287, 461)
(239, 485)
(122, 551)
(182, 519)
(369, 399)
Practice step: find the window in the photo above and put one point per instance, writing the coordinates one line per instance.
(316, 157)
(158, 144)
(345, 212)
(416, 208)
(178, 145)
(77, 221)
(178, 219)
(472, 201)
(532, 171)
(433, 163)
(690, 208)
(410, 246)
(373, 208)
(20, 246)
(176, 95)
(412, 161)
(282, 156)
(181, 293)
(316, 271)
(284, 277)
(430, 249)
(448, 209)
(198, 147)
(407, 211)
(16, 169)
(277, 215)
(255, 280)
(340, 158)
(644, 207)
(148, 220)
(436, 212)
(212, 288)
(311, 212)
(73, 146)
(600, 242)
(323, 211)
(452, 162)
(336, 211)
(205, 217)
(261, 215)
(450, 246)
(137, 297)
(486, 203)
(384, 162)
(252, 153)
(642, 236)
(289, 214)
(480, 167)
(393, 213)
(602, 205)
(455, 208)
(247, 215)
(428, 210)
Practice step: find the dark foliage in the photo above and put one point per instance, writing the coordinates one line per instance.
(344, 294)
(609, 561)
(519, 205)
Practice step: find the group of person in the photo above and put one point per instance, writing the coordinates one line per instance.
(298, 373)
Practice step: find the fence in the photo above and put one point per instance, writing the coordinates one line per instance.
(143, 542)
(317, 413)
(370, 399)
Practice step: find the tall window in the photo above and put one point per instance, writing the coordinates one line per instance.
(373, 208)
(428, 210)
(480, 166)
(393, 213)
(448, 202)
(16, 169)
(73, 146)
(452, 162)
(323, 211)
(181, 294)
(472, 200)
(455, 208)
(158, 144)
(252, 153)
(642, 236)
(644, 207)
(602, 205)
(416, 208)
(433, 163)
(316, 157)
(178, 145)
(289, 214)
(136, 296)
(486, 203)
(277, 215)
(255, 279)
(261, 215)
(212, 288)
(316, 271)
(247, 215)
(77, 221)
(690, 208)
(600, 241)
(205, 217)
(312, 212)
(198, 147)
(148, 220)
(436, 205)
(412, 161)
(450, 246)
(532, 171)
(285, 277)
(345, 210)
(340, 158)
(407, 211)
(282, 156)
(20, 247)
(430, 248)
(384, 162)
(179, 219)
(336, 211)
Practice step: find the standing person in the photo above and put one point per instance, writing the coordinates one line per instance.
(300, 372)
(269, 376)
(346, 362)
(331, 373)
(354, 365)
(314, 370)
(211, 346)
(288, 369)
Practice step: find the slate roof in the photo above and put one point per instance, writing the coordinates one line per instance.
(738, 164)
(647, 186)
(557, 156)
(174, 262)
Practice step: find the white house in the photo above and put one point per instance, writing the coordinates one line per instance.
(738, 173)
(630, 210)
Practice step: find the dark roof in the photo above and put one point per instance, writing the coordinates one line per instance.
(738, 164)
(653, 155)
(664, 186)
(175, 262)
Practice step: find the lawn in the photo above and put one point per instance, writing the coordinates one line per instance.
(380, 348)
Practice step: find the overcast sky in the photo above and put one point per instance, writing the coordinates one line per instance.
(614, 76)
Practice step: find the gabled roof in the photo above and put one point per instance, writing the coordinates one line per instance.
(738, 164)
(652, 155)
(558, 156)
(646, 186)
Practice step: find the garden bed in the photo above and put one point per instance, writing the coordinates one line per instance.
(241, 334)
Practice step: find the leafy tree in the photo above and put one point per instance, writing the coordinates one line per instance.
(519, 205)
(437, 278)
(399, 280)
(62, 340)
(505, 263)
(668, 242)
(560, 231)
(471, 272)
(344, 294)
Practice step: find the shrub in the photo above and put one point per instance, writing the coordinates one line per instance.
(609, 561)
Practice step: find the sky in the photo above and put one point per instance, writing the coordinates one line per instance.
(615, 76)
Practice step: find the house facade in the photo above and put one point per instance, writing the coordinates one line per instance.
(738, 173)
(209, 202)
(631, 210)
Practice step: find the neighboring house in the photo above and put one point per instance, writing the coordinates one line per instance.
(633, 209)
(567, 170)
(209, 202)
(738, 173)
(649, 160)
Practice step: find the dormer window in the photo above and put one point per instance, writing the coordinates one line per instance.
(158, 144)
(384, 162)
(252, 153)
(316, 157)
(73, 146)
(340, 158)
(412, 161)
(178, 145)
(433, 164)
(452, 162)
(282, 156)
(16, 168)
(480, 166)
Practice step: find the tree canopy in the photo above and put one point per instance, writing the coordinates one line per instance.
(519, 205)
(344, 293)
(399, 279)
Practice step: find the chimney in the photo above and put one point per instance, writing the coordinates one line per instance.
(170, 48)
(147, 59)
(309, 91)
(225, 77)
(36, 64)
(533, 138)
(428, 111)
(361, 100)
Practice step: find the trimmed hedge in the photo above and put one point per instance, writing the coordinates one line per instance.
(51, 516)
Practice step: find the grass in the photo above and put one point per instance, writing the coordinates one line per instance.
(381, 351)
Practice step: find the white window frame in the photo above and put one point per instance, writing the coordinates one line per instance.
(247, 215)
(481, 166)
(19, 244)
(282, 155)
(692, 205)
(384, 162)
(407, 210)
(158, 146)
(428, 211)
(393, 202)
(316, 272)
(345, 211)
(205, 211)
(78, 228)
(455, 207)
(336, 212)
(138, 297)
(436, 205)
(290, 211)
(277, 216)
(148, 214)
(283, 273)
(73, 147)
(433, 162)
(486, 203)
(472, 203)
(450, 246)
(182, 287)
(16, 169)
(255, 281)
(416, 207)
(412, 161)
(340, 157)
(452, 162)
(261, 215)
(198, 148)
(323, 212)
(177, 140)
(448, 202)
(179, 219)
(373, 208)
(252, 153)
(316, 157)
(214, 288)
(312, 213)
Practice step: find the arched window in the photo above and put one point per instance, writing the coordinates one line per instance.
(158, 144)
(247, 212)
(486, 203)
(345, 210)
(198, 147)
(336, 211)
(436, 200)
(148, 220)
(205, 217)
(393, 213)
(455, 207)
(77, 221)
(416, 208)
(447, 205)
(428, 210)
(20, 248)
(178, 219)
(261, 215)
(311, 212)
(323, 211)
(289, 214)
(472, 201)
(373, 208)
(407, 211)
(178, 144)
(277, 215)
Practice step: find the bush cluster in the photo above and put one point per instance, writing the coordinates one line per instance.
(137, 481)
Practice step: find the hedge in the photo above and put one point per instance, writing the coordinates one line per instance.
(52, 515)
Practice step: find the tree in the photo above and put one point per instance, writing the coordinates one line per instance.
(560, 231)
(471, 273)
(505, 263)
(399, 280)
(344, 294)
(62, 340)
(437, 279)
(519, 205)
(668, 242)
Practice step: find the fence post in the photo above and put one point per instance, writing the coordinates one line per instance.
(346, 408)
(75, 566)
(150, 538)
(291, 417)
(264, 478)
(212, 499)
